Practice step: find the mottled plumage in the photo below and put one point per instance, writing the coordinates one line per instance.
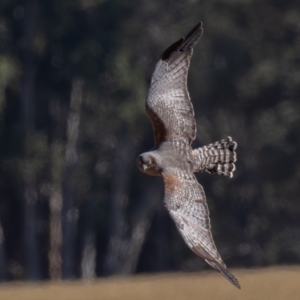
(172, 116)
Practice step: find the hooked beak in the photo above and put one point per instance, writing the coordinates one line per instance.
(143, 167)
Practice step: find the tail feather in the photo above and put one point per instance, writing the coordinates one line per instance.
(224, 271)
(218, 157)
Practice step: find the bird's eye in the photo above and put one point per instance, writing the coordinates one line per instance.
(149, 162)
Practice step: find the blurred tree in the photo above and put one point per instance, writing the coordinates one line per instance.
(69, 210)
(28, 165)
(73, 81)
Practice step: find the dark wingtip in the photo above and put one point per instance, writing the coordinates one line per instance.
(199, 27)
(172, 48)
(221, 267)
(230, 277)
(183, 43)
(192, 37)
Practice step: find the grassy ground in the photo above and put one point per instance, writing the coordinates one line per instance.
(270, 283)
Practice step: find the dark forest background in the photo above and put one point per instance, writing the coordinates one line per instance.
(74, 76)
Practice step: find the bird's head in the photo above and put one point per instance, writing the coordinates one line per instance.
(148, 163)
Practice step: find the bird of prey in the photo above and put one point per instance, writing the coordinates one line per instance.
(171, 113)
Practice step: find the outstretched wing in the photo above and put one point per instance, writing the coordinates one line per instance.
(186, 202)
(168, 104)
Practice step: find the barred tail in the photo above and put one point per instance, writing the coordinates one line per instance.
(224, 271)
(218, 157)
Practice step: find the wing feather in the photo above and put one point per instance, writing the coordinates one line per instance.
(168, 103)
(186, 203)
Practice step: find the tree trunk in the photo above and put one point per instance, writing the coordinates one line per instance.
(119, 198)
(29, 61)
(148, 202)
(32, 261)
(55, 260)
(27, 121)
(88, 259)
(125, 243)
(69, 211)
(55, 193)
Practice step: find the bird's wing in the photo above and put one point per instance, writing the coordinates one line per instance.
(186, 203)
(168, 103)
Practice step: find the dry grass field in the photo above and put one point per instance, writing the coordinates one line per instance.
(271, 283)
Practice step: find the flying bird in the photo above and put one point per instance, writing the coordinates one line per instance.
(171, 113)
